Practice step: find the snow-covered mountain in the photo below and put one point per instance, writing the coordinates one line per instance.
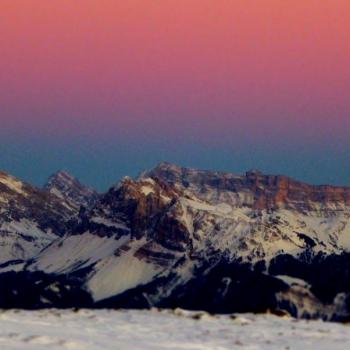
(69, 189)
(202, 240)
(32, 218)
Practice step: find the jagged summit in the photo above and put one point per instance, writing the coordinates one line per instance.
(172, 173)
(64, 175)
(68, 188)
(164, 167)
(30, 218)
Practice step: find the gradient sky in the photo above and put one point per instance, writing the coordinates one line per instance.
(106, 88)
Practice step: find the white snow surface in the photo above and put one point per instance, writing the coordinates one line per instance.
(116, 274)
(112, 274)
(22, 240)
(154, 330)
(77, 251)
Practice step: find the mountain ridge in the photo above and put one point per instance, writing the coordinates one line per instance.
(30, 218)
(178, 236)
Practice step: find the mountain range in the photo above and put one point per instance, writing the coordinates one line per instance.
(177, 237)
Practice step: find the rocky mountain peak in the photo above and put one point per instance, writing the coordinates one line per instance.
(64, 176)
(68, 188)
(164, 170)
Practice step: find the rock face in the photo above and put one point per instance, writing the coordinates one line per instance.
(206, 240)
(254, 189)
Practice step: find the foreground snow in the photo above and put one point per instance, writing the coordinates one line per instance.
(88, 329)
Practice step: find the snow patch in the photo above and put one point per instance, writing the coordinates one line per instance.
(154, 330)
(109, 223)
(116, 274)
(77, 251)
(146, 190)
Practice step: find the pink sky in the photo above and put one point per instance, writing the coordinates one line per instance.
(242, 63)
(204, 69)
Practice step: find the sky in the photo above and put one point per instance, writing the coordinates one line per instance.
(107, 88)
